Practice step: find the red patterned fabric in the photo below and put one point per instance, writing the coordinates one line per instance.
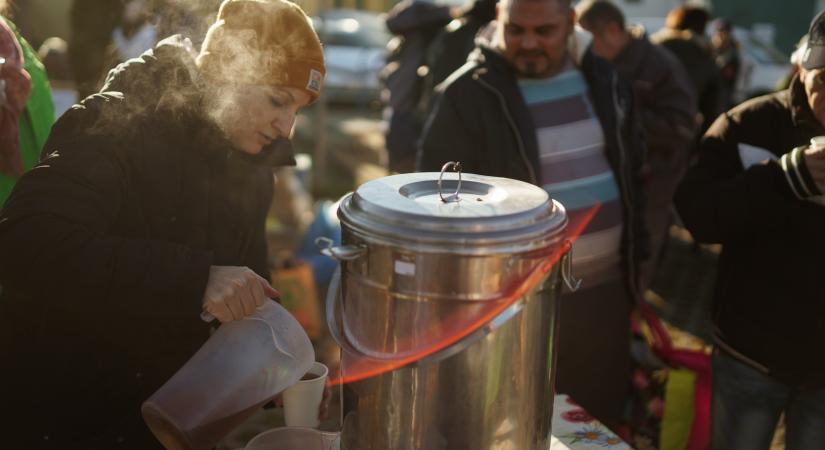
(17, 87)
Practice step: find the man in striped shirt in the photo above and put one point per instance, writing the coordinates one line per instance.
(523, 108)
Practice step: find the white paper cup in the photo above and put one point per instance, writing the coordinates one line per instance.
(302, 400)
(817, 142)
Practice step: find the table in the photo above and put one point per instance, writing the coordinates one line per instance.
(575, 429)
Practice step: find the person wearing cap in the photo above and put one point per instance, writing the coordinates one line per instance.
(757, 190)
(148, 207)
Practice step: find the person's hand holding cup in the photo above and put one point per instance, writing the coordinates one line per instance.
(815, 161)
(304, 400)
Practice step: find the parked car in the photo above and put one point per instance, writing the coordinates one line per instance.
(355, 50)
(763, 65)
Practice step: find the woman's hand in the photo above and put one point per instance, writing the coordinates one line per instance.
(233, 292)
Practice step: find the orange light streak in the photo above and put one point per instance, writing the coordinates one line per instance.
(357, 367)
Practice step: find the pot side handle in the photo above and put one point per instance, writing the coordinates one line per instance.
(340, 253)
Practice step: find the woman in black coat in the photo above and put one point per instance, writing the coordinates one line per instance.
(148, 206)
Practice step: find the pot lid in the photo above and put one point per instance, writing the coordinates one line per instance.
(458, 208)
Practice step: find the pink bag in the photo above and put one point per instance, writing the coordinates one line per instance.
(696, 361)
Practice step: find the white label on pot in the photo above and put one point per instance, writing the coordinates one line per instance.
(405, 268)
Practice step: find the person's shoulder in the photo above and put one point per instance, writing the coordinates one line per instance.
(658, 53)
(463, 79)
(93, 116)
(658, 61)
(762, 107)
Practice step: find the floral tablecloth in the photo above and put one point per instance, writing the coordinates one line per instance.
(575, 429)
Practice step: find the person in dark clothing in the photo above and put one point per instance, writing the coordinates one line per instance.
(667, 105)
(522, 108)
(416, 24)
(726, 55)
(92, 23)
(148, 206)
(757, 190)
(452, 45)
(684, 35)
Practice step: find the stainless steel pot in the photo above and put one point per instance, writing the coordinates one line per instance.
(454, 295)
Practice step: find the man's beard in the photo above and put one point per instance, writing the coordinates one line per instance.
(531, 68)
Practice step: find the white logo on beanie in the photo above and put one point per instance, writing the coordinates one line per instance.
(314, 83)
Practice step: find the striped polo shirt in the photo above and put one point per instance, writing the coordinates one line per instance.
(575, 170)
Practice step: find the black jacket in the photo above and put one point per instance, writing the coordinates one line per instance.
(106, 248)
(481, 120)
(769, 307)
(695, 54)
(414, 23)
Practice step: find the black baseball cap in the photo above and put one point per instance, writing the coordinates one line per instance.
(814, 56)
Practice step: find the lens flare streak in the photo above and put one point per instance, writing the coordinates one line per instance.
(356, 367)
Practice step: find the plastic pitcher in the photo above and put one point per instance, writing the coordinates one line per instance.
(243, 365)
(294, 438)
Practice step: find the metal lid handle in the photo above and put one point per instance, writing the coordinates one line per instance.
(456, 168)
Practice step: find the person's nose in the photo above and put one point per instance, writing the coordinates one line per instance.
(283, 124)
(528, 41)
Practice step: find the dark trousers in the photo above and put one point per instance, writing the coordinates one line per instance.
(593, 365)
(746, 405)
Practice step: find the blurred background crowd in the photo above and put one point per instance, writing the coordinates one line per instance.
(348, 137)
(80, 40)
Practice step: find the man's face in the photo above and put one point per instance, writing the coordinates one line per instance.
(607, 42)
(254, 116)
(532, 36)
(814, 81)
(721, 38)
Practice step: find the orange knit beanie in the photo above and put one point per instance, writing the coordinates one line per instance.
(263, 42)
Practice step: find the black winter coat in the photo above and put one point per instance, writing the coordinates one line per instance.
(106, 249)
(769, 303)
(695, 54)
(481, 120)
